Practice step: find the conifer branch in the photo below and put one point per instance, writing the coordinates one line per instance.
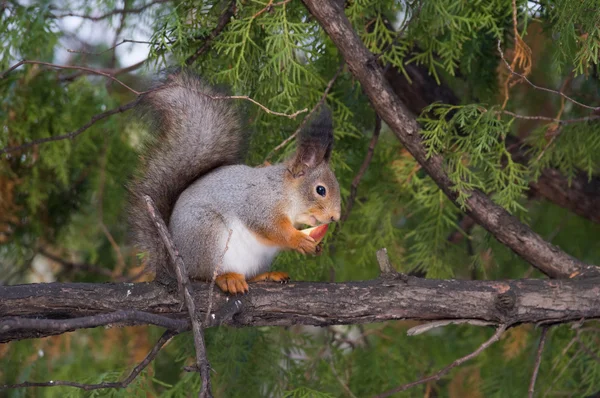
(438, 375)
(72, 134)
(118, 11)
(167, 335)
(223, 21)
(307, 117)
(505, 227)
(549, 90)
(577, 194)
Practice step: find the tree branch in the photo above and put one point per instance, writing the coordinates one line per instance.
(167, 335)
(580, 195)
(72, 67)
(361, 172)
(438, 375)
(185, 291)
(538, 361)
(223, 21)
(559, 92)
(307, 117)
(118, 11)
(74, 133)
(310, 303)
(505, 227)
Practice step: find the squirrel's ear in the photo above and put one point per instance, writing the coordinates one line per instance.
(315, 143)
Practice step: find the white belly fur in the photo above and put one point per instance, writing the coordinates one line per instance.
(245, 254)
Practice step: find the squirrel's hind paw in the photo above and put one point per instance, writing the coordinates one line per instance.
(274, 276)
(232, 283)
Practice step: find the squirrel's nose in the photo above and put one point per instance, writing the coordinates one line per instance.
(335, 217)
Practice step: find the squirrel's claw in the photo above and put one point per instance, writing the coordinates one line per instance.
(274, 276)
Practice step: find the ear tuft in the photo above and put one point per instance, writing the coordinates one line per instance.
(315, 142)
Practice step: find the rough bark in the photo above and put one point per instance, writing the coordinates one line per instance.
(319, 304)
(581, 196)
(506, 228)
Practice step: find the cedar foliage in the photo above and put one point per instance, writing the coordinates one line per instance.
(58, 196)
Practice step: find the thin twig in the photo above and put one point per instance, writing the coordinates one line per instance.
(64, 325)
(167, 335)
(405, 23)
(110, 48)
(269, 6)
(245, 97)
(511, 70)
(458, 362)
(112, 72)
(223, 21)
(551, 119)
(361, 172)
(100, 209)
(353, 192)
(584, 347)
(113, 60)
(75, 266)
(74, 133)
(113, 12)
(128, 106)
(307, 117)
(339, 379)
(73, 67)
(567, 366)
(538, 361)
(185, 290)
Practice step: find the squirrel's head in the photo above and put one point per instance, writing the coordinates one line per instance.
(317, 191)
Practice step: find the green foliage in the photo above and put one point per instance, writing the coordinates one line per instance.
(472, 140)
(576, 29)
(69, 196)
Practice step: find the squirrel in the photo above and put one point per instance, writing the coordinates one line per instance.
(226, 218)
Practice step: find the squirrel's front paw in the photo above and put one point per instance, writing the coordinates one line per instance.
(307, 245)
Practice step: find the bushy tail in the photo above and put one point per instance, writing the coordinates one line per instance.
(192, 135)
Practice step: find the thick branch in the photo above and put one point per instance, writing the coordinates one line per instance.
(320, 304)
(505, 227)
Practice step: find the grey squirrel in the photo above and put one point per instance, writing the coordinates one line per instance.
(193, 171)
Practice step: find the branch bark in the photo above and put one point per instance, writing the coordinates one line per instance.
(320, 304)
(506, 228)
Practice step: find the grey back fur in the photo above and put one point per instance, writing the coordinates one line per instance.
(193, 134)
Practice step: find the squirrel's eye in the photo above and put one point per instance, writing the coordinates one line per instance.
(321, 190)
